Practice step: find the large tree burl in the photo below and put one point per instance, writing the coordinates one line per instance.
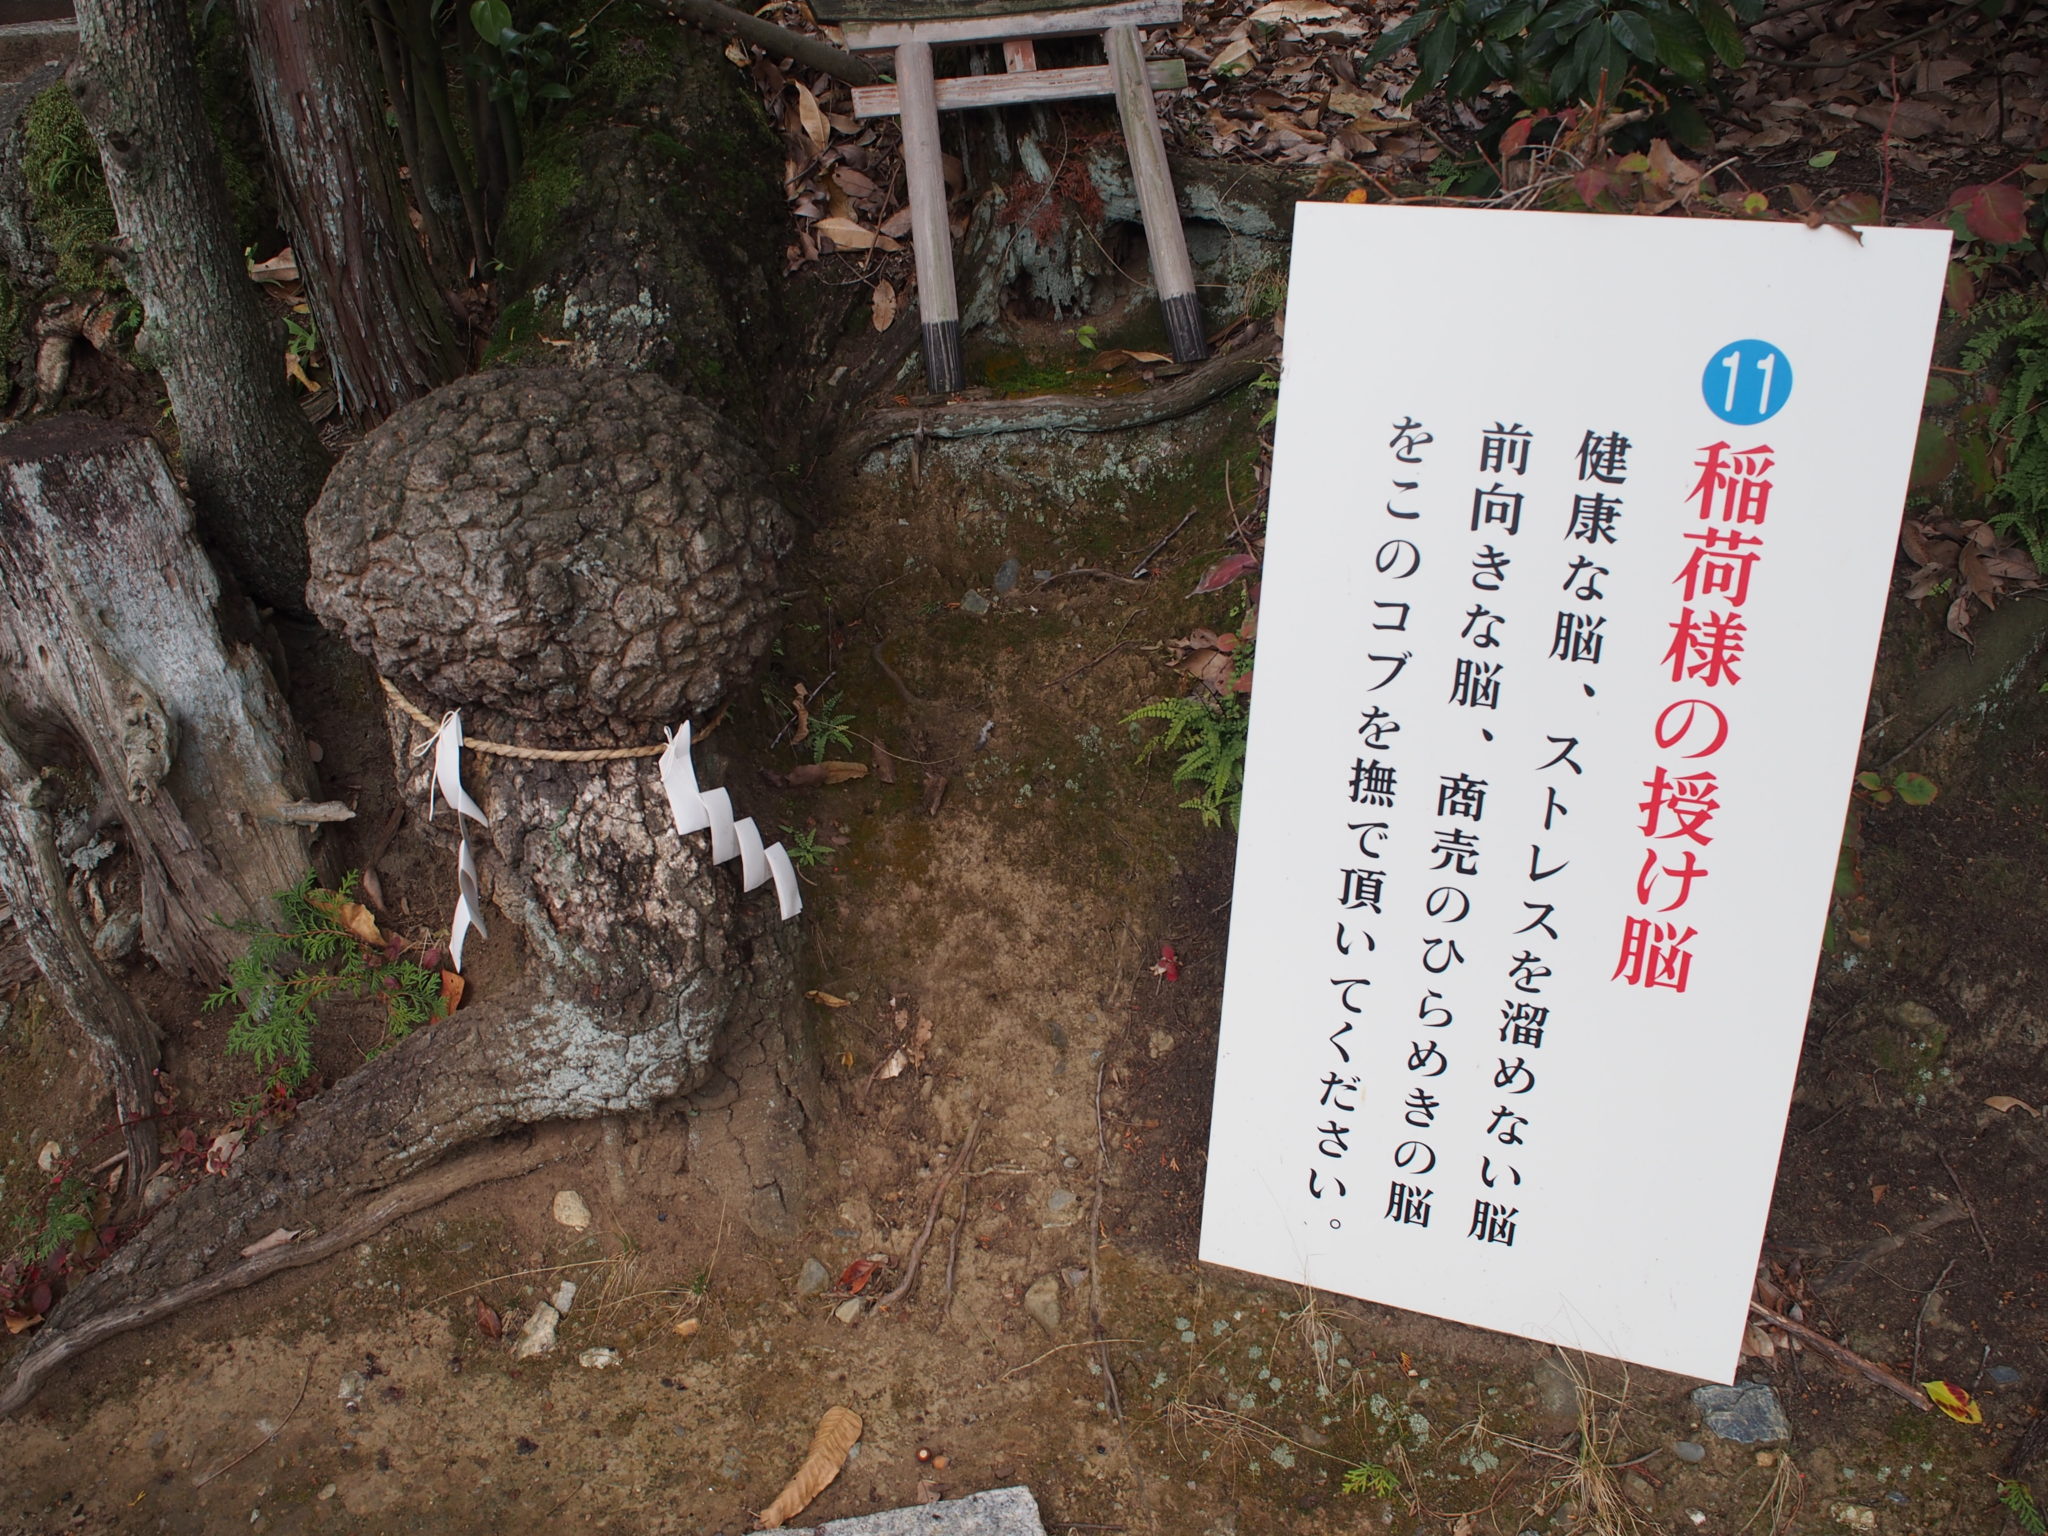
(588, 548)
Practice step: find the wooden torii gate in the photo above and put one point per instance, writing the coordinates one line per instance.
(911, 28)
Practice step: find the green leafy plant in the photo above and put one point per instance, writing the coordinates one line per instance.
(804, 848)
(1088, 338)
(2008, 459)
(1555, 52)
(325, 946)
(831, 726)
(66, 1218)
(1370, 1477)
(2018, 1499)
(1210, 735)
(1913, 788)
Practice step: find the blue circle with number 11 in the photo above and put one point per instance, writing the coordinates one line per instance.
(1747, 382)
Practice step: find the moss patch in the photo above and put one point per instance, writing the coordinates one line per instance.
(66, 188)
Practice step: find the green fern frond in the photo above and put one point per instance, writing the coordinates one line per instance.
(1214, 734)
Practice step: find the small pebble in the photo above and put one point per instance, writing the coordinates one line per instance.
(328, 1492)
(1006, 577)
(974, 604)
(571, 1212)
(849, 1311)
(565, 1296)
(813, 1278)
(1686, 1450)
(2004, 1375)
(598, 1359)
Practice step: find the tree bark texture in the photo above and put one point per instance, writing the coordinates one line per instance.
(253, 460)
(110, 659)
(386, 329)
(649, 974)
(648, 228)
(123, 1038)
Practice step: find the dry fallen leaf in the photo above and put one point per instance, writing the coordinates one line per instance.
(812, 116)
(488, 1323)
(849, 236)
(2005, 1102)
(885, 304)
(837, 1431)
(687, 1327)
(276, 1239)
(894, 1065)
(352, 916)
(827, 999)
(451, 992)
(854, 1278)
(21, 1322)
(811, 775)
(1954, 1401)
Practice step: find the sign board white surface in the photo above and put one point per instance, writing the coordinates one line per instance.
(1579, 539)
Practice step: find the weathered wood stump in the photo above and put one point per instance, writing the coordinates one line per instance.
(117, 687)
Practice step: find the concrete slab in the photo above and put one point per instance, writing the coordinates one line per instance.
(998, 1512)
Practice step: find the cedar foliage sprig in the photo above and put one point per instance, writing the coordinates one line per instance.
(290, 969)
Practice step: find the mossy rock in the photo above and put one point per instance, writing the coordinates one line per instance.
(647, 228)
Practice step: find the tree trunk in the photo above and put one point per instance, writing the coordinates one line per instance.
(386, 329)
(649, 975)
(112, 659)
(122, 1036)
(252, 458)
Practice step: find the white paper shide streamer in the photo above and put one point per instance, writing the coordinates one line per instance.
(696, 809)
(448, 780)
(691, 807)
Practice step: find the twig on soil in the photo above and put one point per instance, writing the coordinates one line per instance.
(522, 1274)
(303, 1384)
(1070, 676)
(1090, 570)
(1138, 570)
(1882, 1376)
(1018, 1370)
(1920, 1317)
(1838, 1278)
(52, 1349)
(890, 672)
(931, 1217)
(953, 1242)
(1957, 1181)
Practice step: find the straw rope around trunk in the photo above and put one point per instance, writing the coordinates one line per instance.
(535, 754)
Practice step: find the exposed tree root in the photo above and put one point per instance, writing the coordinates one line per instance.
(54, 1347)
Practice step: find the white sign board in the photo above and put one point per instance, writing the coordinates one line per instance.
(1579, 540)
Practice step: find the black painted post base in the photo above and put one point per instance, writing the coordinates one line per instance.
(1184, 327)
(943, 372)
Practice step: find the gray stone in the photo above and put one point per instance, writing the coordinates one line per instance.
(565, 1297)
(1042, 1301)
(2005, 1375)
(1686, 1450)
(118, 937)
(1557, 1395)
(158, 1190)
(1006, 577)
(1748, 1414)
(1062, 1203)
(974, 603)
(998, 1512)
(812, 1278)
(849, 1311)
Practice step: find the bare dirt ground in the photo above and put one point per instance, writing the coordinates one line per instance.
(1006, 946)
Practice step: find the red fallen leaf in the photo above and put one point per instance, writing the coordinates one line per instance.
(487, 1321)
(1169, 963)
(1223, 573)
(1992, 211)
(1516, 139)
(856, 1275)
(1591, 184)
